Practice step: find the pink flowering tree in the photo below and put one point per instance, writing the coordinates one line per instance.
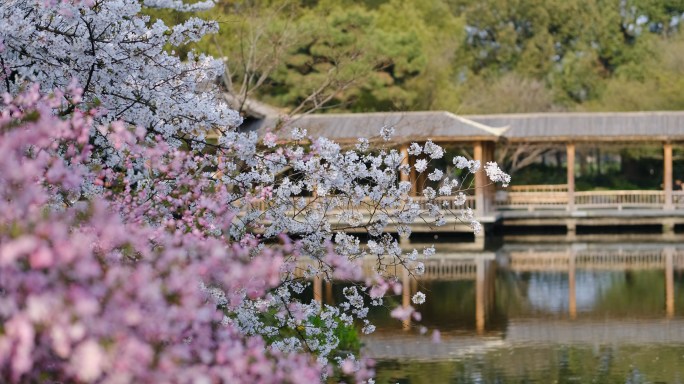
(91, 290)
(134, 249)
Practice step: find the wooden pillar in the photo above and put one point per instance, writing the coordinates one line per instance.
(668, 228)
(480, 274)
(318, 289)
(406, 296)
(667, 174)
(571, 229)
(570, 165)
(490, 191)
(329, 299)
(669, 283)
(411, 178)
(572, 289)
(480, 181)
(405, 161)
(414, 285)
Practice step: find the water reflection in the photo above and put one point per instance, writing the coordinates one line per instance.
(580, 313)
(560, 364)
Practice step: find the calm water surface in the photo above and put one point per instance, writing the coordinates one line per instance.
(611, 313)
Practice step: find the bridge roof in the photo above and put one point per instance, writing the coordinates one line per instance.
(409, 126)
(607, 126)
(441, 126)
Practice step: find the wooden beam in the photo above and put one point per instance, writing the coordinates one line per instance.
(667, 174)
(405, 296)
(570, 165)
(480, 180)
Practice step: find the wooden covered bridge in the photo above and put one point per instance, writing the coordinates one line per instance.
(539, 205)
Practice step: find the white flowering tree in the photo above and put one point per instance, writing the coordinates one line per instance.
(131, 248)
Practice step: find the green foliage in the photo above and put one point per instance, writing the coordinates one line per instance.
(654, 84)
(576, 57)
(349, 339)
(465, 56)
(509, 93)
(379, 55)
(348, 335)
(540, 174)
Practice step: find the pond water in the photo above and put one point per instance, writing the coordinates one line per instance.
(602, 313)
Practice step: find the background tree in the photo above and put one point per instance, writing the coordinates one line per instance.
(305, 56)
(464, 56)
(653, 84)
(574, 48)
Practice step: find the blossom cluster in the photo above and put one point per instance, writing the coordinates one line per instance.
(496, 174)
(118, 56)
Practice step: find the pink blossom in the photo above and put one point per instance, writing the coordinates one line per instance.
(94, 291)
(402, 313)
(396, 288)
(436, 336)
(270, 139)
(14, 249)
(88, 361)
(348, 366)
(378, 290)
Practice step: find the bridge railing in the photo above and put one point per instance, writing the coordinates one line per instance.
(535, 197)
(448, 202)
(678, 199)
(445, 202)
(620, 199)
(436, 268)
(616, 259)
(554, 197)
(531, 197)
(539, 188)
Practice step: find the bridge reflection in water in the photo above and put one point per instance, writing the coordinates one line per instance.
(530, 298)
(478, 267)
(667, 258)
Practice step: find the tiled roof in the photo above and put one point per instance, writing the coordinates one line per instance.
(632, 126)
(437, 125)
(445, 126)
